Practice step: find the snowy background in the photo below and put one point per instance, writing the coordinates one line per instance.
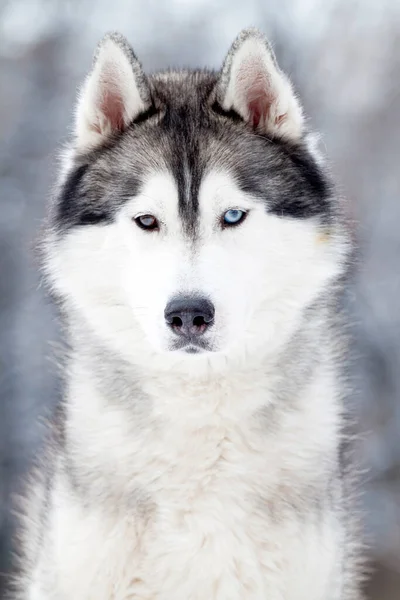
(344, 58)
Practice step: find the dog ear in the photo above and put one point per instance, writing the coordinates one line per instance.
(115, 92)
(252, 84)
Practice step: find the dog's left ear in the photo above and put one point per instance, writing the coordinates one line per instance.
(252, 84)
(115, 92)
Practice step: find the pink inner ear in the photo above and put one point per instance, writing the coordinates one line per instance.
(113, 110)
(254, 83)
(111, 105)
(259, 109)
(260, 100)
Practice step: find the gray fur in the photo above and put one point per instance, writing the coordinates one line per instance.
(187, 132)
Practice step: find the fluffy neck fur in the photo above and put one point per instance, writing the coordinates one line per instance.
(186, 428)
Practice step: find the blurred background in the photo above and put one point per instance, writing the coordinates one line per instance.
(344, 58)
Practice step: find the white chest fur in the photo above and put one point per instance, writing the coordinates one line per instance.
(217, 478)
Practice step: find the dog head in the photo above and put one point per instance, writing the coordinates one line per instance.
(192, 218)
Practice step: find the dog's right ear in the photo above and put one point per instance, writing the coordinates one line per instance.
(115, 92)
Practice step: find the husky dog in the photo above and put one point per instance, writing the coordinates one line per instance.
(197, 251)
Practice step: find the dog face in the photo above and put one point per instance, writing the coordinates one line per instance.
(192, 220)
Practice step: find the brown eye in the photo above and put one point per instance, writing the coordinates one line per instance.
(147, 222)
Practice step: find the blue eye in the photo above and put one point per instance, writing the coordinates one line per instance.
(234, 216)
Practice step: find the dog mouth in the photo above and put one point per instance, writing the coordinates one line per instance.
(192, 349)
(192, 346)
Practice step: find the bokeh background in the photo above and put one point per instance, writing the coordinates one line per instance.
(344, 58)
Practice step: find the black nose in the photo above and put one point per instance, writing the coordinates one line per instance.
(189, 315)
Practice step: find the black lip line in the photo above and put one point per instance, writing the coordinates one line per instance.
(191, 348)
